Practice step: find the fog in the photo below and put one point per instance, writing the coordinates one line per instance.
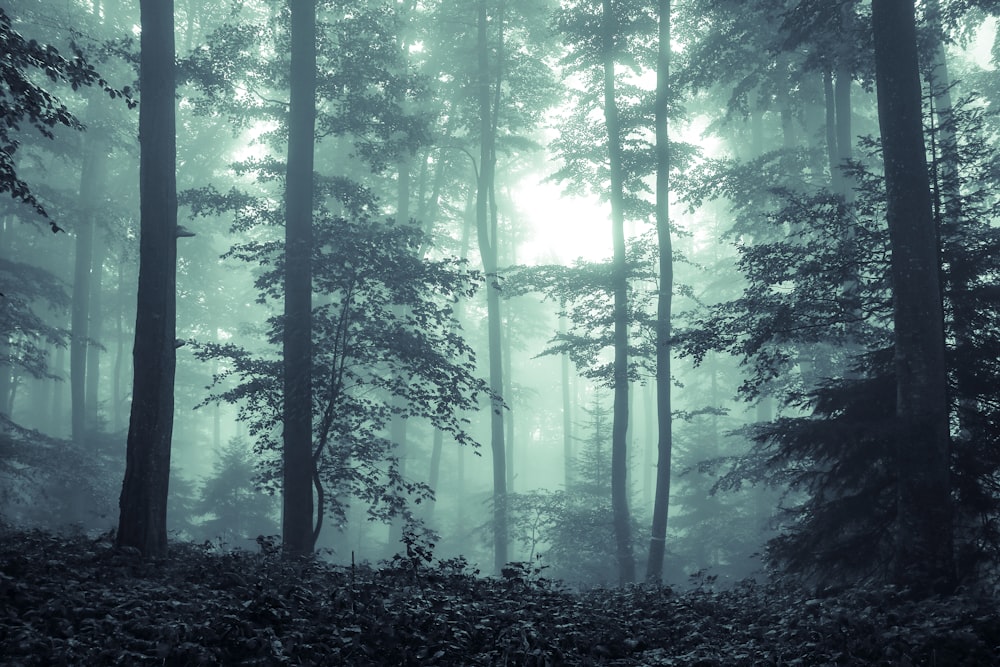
(409, 419)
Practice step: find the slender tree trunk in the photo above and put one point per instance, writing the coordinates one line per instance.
(95, 331)
(923, 552)
(397, 427)
(619, 453)
(435, 470)
(91, 182)
(143, 520)
(398, 435)
(58, 417)
(567, 416)
(116, 390)
(649, 444)
(508, 391)
(6, 378)
(845, 137)
(487, 236)
(6, 367)
(661, 502)
(832, 152)
(297, 455)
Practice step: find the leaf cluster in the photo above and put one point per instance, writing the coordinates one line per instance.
(386, 343)
(814, 325)
(364, 89)
(22, 99)
(26, 333)
(584, 294)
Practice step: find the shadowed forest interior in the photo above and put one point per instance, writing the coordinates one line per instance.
(614, 291)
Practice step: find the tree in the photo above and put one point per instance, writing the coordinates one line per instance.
(231, 504)
(923, 529)
(611, 160)
(834, 449)
(619, 278)
(363, 105)
(386, 344)
(42, 109)
(143, 504)
(572, 531)
(486, 233)
(92, 175)
(664, 416)
(298, 465)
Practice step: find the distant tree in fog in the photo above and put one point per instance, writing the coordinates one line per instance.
(229, 501)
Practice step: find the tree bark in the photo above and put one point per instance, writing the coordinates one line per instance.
(297, 455)
(923, 532)
(143, 519)
(486, 229)
(619, 429)
(664, 446)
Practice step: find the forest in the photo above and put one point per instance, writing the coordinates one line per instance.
(536, 332)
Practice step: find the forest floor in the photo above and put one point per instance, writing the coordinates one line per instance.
(79, 601)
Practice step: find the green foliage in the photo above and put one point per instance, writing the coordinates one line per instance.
(571, 532)
(232, 507)
(26, 101)
(25, 288)
(52, 483)
(365, 91)
(80, 601)
(583, 292)
(813, 325)
(385, 344)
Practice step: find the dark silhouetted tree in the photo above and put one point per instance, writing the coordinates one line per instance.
(143, 519)
(299, 466)
(923, 527)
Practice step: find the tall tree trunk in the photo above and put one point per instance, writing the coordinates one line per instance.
(6, 377)
(116, 390)
(508, 391)
(95, 332)
(398, 424)
(434, 474)
(837, 81)
(619, 428)
(6, 367)
(297, 454)
(923, 531)
(830, 125)
(398, 436)
(845, 137)
(486, 228)
(58, 417)
(567, 416)
(91, 182)
(143, 519)
(649, 444)
(664, 446)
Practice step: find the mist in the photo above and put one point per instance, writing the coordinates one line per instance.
(698, 295)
